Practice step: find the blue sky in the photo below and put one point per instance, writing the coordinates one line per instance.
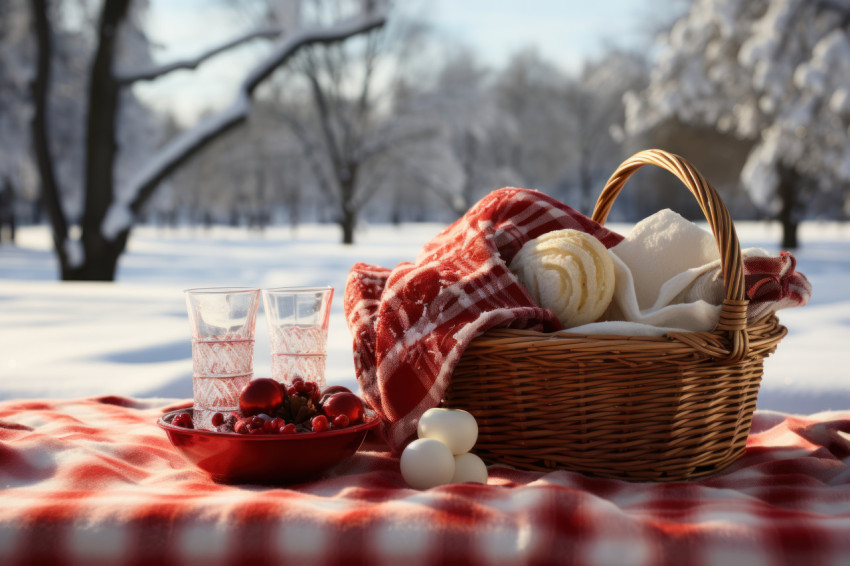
(566, 32)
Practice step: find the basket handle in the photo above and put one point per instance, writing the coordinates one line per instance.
(733, 312)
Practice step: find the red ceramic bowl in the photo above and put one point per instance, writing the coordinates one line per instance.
(266, 458)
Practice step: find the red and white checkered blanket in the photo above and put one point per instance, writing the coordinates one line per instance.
(411, 324)
(95, 481)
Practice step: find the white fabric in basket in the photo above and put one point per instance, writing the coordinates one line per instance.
(667, 279)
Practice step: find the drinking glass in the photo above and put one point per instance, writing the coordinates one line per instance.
(298, 329)
(222, 320)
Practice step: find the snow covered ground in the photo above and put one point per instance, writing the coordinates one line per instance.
(132, 337)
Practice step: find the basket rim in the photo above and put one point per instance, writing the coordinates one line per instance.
(762, 335)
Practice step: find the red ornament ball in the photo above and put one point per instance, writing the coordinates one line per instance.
(330, 390)
(344, 403)
(261, 395)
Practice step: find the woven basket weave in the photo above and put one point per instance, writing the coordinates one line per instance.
(628, 407)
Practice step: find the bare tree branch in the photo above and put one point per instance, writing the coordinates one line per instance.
(127, 78)
(324, 110)
(390, 140)
(356, 120)
(308, 149)
(178, 150)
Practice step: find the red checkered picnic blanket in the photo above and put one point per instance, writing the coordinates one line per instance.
(411, 324)
(95, 481)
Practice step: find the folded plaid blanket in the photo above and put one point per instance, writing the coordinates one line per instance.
(411, 324)
(95, 481)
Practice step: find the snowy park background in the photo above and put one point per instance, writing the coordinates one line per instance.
(150, 146)
(132, 337)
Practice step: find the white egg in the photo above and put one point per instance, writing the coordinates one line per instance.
(469, 467)
(427, 463)
(455, 428)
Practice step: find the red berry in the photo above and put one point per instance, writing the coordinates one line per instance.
(255, 430)
(217, 419)
(340, 421)
(241, 427)
(320, 423)
(288, 428)
(301, 386)
(183, 420)
(261, 395)
(343, 403)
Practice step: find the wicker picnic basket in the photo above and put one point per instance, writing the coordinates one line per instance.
(628, 407)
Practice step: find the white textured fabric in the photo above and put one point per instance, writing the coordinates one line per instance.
(667, 279)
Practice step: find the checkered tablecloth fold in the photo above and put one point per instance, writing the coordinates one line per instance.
(95, 481)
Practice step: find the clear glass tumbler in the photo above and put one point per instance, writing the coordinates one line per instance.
(298, 320)
(222, 320)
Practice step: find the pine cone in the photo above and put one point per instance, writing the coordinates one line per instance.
(297, 409)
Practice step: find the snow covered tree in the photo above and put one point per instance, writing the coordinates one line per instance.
(531, 91)
(110, 202)
(595, 112)
(773, 71)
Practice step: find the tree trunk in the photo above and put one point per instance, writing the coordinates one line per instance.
(470, 180)
(7, 210)
(49, 188)
(585, 182)
(348, 212)
(348, 221)
(101, 254)
(789, 214)
(103, 267)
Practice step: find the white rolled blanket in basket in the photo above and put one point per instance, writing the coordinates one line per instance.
(668, 278)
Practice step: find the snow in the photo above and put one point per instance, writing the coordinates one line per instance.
(75, 252)
(132, 337)
(118, 218)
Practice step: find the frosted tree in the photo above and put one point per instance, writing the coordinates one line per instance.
(531, 92)
(341, 121)
(595, 110)
(776, 72)
(467, 154)
(111, 203)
